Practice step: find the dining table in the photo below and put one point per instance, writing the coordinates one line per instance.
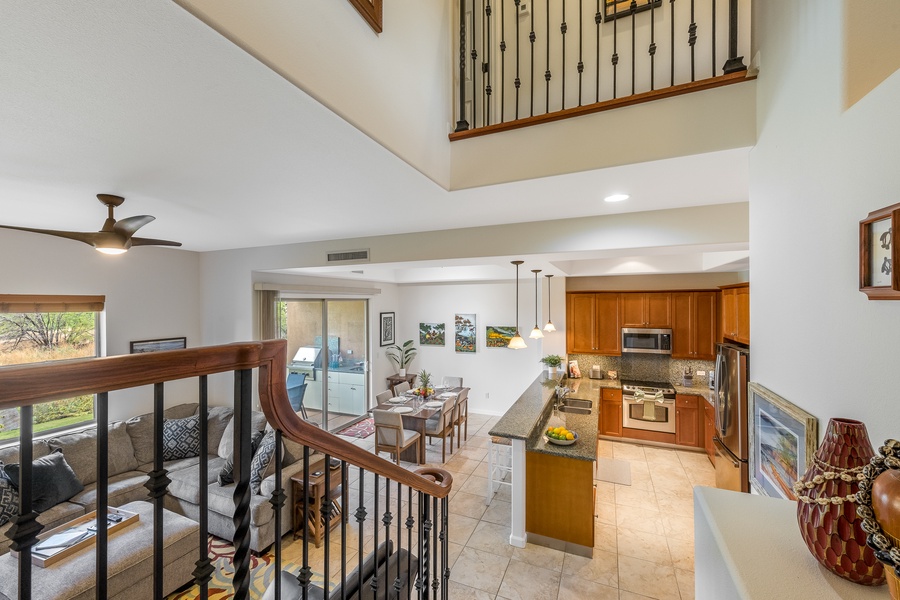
(414, 420)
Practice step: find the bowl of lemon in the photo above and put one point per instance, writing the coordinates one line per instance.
(560, 436)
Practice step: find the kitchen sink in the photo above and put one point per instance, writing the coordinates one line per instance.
(576, 402)
(578, 410)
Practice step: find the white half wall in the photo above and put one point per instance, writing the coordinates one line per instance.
(816, 171)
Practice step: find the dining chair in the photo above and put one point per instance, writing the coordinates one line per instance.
(390, 435)
(382, 397)
(401, 387)
(441, 425)
(451, 382)
(462, 416)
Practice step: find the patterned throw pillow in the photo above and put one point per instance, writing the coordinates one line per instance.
(9, 498)
(261, 460)
(226, 475)
(181, 438)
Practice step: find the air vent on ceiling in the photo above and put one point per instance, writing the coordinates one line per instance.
(349, 256)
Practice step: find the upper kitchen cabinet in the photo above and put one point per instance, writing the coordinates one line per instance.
(592, 323)
(647, 309)
(736, 312)
(694, 325)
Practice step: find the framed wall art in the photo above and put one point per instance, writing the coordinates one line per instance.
(465, 333)
(386, 320)
(783, 440)
(878, 254)
(371, 11)
(498, 336)
(432, 334)
(140, 346)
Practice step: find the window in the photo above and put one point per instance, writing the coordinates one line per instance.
(49, 328)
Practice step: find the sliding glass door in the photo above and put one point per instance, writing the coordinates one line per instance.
(327, 341)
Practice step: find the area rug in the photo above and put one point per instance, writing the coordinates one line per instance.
(262, 570)
(614, 471)
(360, 430)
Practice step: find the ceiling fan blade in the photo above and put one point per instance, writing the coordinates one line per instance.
(87, 238)
(128, 226)
(151, 242)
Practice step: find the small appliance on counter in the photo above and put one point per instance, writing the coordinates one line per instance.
(596, 372)
(687, 377)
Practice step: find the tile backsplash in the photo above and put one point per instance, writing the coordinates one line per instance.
(645, 367)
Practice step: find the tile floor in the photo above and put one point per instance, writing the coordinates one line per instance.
(644, 533)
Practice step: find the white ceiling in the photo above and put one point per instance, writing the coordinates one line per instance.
(142, 100)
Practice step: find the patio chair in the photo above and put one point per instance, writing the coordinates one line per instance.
(296, 389)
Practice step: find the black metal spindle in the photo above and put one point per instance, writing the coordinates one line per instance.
(25, 527)
(424, 528)
(436, 574)
(410, 522)
(713, 71)
(398, 585)
(598, 18)
(563, 28)
(243, 454)
(204, 570)
(734, 63)
(445, 547)
(518, 80)
(345, 505)
(277, 501)
(692, 38)
(633, 9)
(387, 519)
(361, 519)
(672, 42)
(547, 74)
(502, 60)
(158, 483)
(102, 494)
(486, 64)
(305, 573)
(580, 47)
(473, 53)
(461, 123)
(615, 54)
(325, 517)
(652, 49)
(374, 581)
(532, 37)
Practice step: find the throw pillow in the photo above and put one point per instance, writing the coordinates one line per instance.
(226, 475)
(181, 438)
(261, 460)
(9, 498)
(53, 481)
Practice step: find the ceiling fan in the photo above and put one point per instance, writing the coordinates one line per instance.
(115, 237)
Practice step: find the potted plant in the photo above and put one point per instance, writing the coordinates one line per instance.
(552, 361)
(402, 356)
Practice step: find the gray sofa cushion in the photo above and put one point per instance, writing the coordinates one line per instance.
(10, 454)
(226, 444)
(80, 450)
(122, 488)
(221, 500)
(56, 516)
(185, 483)
(140, 429)
(53, 481)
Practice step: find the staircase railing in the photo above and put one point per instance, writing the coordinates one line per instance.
(527, 62)
(409, 556)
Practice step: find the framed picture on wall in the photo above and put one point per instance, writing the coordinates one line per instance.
(387, 328)
(783, 439)
(140, 346)
(498, 336)
(878, 254)
(432, 334)
(465, 333)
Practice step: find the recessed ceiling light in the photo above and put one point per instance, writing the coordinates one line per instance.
(616, 198)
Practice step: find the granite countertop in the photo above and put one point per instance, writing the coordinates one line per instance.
(698, 389)
(526, 413)
(584, 425)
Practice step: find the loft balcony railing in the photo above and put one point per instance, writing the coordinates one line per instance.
(525, 62)
(410, 511)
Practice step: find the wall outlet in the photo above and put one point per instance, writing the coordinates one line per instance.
(701, 373)
(487, 395)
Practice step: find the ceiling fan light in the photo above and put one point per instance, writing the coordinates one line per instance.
(549, 327)
(536, 333)
(517, 343)
(111, 250)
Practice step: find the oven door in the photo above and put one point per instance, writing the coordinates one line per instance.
(634, 417)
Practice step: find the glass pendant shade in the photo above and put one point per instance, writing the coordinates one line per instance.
(549, 327)
(536, 333)
(517, 343)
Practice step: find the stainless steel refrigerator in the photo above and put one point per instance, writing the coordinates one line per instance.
(730, 399)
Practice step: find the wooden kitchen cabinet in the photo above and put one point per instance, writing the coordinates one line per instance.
(694, 325)
(687, 420)
(647, 309)
(610, 412)
(592, 323)
(736, 312)
(709, 430)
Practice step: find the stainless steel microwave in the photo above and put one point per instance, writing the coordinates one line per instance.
(647, 341)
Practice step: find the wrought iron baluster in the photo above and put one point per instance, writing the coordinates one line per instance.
(374, 583)
(461, 123)
(692, 38)
(158, 483)
(488, 52)
(652, 49)
(532, 37)
(204, 569)
(445, 547)
(102, 494)
(672, 42)
(734, 63)
(563, 28)
(325, 517)
(436, 574)
(277, 501)
(598, 18)
(243, 454)
(518, 80)
(713, 71)
(387, 519)
(410, 521)
(615, 54)
(424, 540)
(361, 519)
(345, 505)
(502, 60)
(473, 53)
(547, 74)
(633, 9)
(398, 585)
(580, 48)
(305, 573)
(25, 527)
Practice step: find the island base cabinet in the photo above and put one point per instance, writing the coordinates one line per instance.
(559, 500)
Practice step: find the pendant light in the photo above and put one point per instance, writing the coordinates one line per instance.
(536, 333)
(517, 343)
(549, 327)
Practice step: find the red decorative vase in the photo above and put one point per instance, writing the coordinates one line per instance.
(833, 531)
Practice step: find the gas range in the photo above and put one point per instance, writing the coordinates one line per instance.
(630, 386)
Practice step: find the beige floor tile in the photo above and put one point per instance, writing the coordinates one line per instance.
(641, 480)
(489, 537)
(461, 528)
(576, 588)
(453, 552)
(605, 537)
(636, 497)
(481, 470)
(625, 595)
(694, 460)
(498, 512)
(468, 505)
(685, 583)
(459, 591)
(602, 568)
(461, 464)
(625, 451)
(647, 578)
(640, 519)
(682, 552)
(679, 503)
(475, 485)
(679, 527)
(643, 545)
(605, 449)
(472, 453)
(606, 492)
(524, 581)
(606, 513)
(503, 494)
(701, 477)
(659, 456)
(479, 570)
(540, 556)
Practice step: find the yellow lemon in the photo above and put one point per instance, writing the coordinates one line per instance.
(570, 436)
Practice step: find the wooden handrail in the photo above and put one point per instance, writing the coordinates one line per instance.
(35, 383)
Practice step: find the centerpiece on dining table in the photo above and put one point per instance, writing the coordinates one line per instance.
(424, 390)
